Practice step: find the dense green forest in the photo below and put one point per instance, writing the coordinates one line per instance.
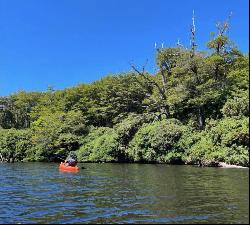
(194, 110)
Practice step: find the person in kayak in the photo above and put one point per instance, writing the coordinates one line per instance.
(71, 160)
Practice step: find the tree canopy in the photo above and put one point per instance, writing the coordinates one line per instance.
(194, 109)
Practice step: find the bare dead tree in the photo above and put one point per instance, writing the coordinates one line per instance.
(149, 82)
(192, 39)
(194, 69)
(223, 27)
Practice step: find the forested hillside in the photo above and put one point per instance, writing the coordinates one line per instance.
(193, 110)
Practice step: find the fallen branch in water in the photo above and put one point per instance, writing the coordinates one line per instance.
(225, 165)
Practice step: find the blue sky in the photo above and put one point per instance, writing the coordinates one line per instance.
(66, 42)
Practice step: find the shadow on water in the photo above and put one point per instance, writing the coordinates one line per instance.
(123, 193)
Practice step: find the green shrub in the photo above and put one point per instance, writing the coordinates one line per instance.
(156, 142)
(100, 145)
(236, 107)
(56, 135)
(224, 140)
(14, 144)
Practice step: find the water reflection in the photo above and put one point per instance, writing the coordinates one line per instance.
(123, 193)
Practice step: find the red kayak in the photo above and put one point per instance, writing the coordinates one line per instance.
(64, 167)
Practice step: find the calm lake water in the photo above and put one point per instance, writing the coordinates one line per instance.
(123, 193)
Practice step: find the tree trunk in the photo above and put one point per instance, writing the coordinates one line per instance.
(2, 159)
(165, 111)
(164, 80)
(201, 118)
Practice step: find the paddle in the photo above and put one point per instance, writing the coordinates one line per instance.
(60, 158)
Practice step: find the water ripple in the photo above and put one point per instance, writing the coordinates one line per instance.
(114, 193)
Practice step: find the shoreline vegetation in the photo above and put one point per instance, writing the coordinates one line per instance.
(193, 110)
(214, 164)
